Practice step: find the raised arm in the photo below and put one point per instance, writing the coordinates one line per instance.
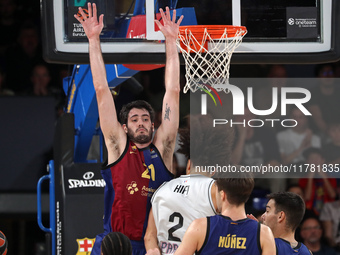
(115, 137)
(328, 232)
(318, 119)
(328, 185)
(166, 134)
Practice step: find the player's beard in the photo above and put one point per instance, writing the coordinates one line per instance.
(141, 139)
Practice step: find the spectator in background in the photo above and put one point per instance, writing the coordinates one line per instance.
(319, 188)
(295, 188)
(40, 79)
(337, 69)
(330, 218)
(293, 141)
(41, 86)
(9, 24)
(63, 71)
(3, 90)
(311, 234)
(21, 58)
(263, 98)
(255, 147)
(332, 149)
(324, 103)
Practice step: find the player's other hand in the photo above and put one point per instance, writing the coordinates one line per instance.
(252, 217)
(170, 27)
(92, 26)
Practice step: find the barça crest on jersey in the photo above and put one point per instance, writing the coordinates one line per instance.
(85, 246)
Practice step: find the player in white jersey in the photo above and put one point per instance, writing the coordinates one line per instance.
(190, 197)
(178, 202)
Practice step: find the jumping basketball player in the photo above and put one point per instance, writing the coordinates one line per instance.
(137, 165)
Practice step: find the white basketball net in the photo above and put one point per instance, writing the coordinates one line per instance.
(207, 66)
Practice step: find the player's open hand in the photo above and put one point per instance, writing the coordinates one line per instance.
(170, 27)
(92, 26)
(252, 217)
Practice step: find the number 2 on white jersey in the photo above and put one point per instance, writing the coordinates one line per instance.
(172, 217)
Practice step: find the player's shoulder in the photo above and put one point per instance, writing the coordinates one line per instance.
(198, 177)
(265, 231)
(159, 190)
(199, 224)
(305, 250)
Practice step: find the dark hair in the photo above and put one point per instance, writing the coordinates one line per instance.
(41, 64)
(319, 67)
(314, 217)
(311, 150)
(272, 68)
(139, 104)
(292, 205)
(116, 243)
(294, 108)
(334, 122)
(293, 185)
(28, 25)
(239, 189)
(208, 143)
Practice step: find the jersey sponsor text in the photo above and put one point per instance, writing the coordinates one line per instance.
(168, 248)
(183, 189)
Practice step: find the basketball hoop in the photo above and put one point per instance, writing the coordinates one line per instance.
(207, 51)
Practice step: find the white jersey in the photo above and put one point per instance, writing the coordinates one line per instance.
(176, 204)
(331, 212)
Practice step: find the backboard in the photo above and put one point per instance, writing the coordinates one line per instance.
(291, 31)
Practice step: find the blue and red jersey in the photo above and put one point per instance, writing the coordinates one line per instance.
(130, 184)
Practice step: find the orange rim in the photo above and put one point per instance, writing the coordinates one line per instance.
(143, 67)
(215, 31)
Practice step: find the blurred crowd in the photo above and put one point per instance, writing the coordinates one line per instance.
(23, 71)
